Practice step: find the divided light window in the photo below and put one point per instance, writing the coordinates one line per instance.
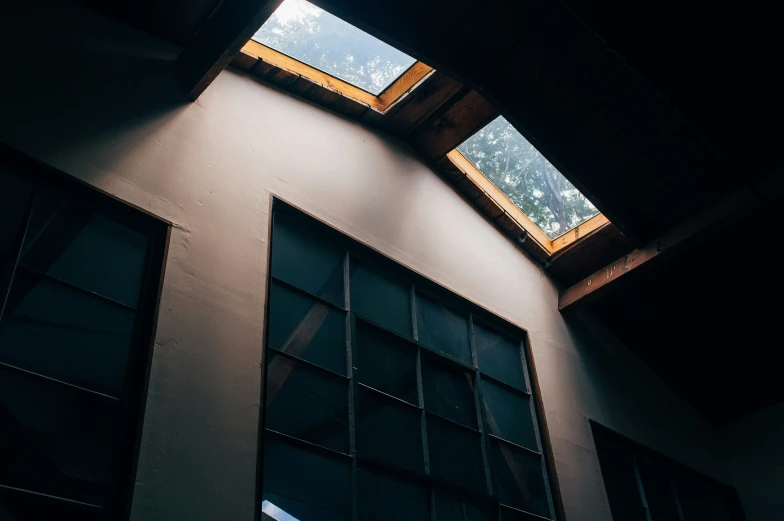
(305, 39)
(388, 398)
(526, 179)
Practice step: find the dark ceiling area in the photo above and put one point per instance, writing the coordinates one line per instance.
(655, 112)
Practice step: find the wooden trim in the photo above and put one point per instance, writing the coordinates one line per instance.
(381, 103)
(580, 231)
(533, 231)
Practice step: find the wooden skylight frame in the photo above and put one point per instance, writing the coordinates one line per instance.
(547, 247)
(381, 103)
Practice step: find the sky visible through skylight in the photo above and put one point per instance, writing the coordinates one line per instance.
(529, 180)
(311, 35)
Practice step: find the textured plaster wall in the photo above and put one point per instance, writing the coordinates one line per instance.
(99, 101)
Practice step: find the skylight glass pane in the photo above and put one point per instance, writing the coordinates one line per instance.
(529, 180)
(311, 35)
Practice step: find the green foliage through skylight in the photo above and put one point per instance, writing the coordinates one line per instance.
(311, 35)
(529, 180)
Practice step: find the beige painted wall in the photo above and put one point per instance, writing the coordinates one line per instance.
(99, 101)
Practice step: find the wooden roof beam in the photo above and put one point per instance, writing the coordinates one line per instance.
(219, 40)
(623, 269)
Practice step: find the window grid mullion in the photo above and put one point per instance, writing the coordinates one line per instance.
(353, 391)
(480, 410)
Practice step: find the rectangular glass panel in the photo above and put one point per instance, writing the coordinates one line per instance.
(306, 403)
(620, 482)
(517, 478)
(52, 329)
(449, 391)
(448, 509)
(380, 298)
(659, 492)
(509, 514)
(527, 178)
(304, 485)
(71, 242)
(307, 328)
(325, 42)
(446, 330)
(386, 363)
(389, 431)
(309, 257)
(19, 506)
(385, 499)
(55, 439)
(455, 454)
(508, 415)
(15, 196)
(702, 500)
(499, 356)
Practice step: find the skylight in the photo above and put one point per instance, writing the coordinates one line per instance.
(527, 179)
(311, 35)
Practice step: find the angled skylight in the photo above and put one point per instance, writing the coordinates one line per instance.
(311, 35)
(527, 179)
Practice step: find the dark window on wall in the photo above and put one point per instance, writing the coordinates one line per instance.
(79, 279)
(387, 397)
(646, 486)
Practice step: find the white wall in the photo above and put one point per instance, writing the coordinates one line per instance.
(755, 446)
(100, 102)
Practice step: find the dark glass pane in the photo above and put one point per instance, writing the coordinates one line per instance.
(55, 439)
(508, 415)
(15, 196)
(499, 356)
(306, 328)
(66, 334)
(389, 431)
(474, 513)
(381, 299)
(444, 329)
(449, 391)
(510, 514)
(304, 485)
(455, 454)
(71, 242)
(306, 403)
(308, 256)
(620, 482)
(21, 506)
(659, 492)
(386, 363)
(517, 478)
(702, 500)
(385, 499)
(448, 509)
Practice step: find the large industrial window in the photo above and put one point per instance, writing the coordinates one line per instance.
(79, 276)
(388, 398)
(643, 485)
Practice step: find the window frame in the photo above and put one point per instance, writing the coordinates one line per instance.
(381, 103)
(550, 246)
(133, 398)
(419, 284)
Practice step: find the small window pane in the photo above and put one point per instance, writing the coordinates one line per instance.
(15, 196)
(444, 329)
(455, 454)
(509, 514)
(305, 485)
(307, 328)
(385, 499)
(381, 299)
(386, 363)
(448, 509)
(499, 356)
(474, 513)
(620, 482)
(527, 178)
(389, 431)
(306, 257)
(517, 478)
(508, 415)
(63, 333)
(71, 242)
(306, 403)
(702, 500)
(449, 391)
(19, 506)
(56, 439)
(313, 36)
(659, 492)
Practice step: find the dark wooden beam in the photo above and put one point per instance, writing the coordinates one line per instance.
(219, 40)
(722, 212)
